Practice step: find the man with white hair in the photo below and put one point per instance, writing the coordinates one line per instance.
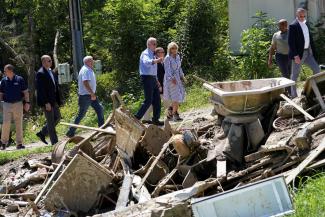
(301, 47)
(148, 72)
(87, 94)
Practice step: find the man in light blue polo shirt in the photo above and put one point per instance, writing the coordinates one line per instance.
(87, 94)
(148, 72)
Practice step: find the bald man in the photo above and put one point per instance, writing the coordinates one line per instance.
(280, 48)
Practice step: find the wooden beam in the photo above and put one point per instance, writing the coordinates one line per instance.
(311, 157)
(108, 131)
(297, 107)
(123, 198)
(317, 93)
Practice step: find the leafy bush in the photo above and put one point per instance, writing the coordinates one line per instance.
(255, 46)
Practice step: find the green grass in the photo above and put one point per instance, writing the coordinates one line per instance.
(7, 156)
(196, 97)
(309, 200)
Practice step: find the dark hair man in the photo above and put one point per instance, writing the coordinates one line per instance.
(48, 98)
(14, 93)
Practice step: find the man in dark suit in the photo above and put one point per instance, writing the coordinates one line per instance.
(301, 47)
(48, 98)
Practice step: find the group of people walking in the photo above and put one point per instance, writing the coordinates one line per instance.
(15, 96)
(162, 78)
(293, 47)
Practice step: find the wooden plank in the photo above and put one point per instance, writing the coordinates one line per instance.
(297, 107)
(123, 198)
(317, 93)
(108, 130)
(312, 155)
(162, 183)
(166, 145)
(221, 169)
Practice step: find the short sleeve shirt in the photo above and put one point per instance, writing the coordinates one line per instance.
(13, 89)
(280, 40)
(86, 74)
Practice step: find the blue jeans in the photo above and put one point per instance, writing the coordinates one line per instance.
(84, 102)
(151, 97)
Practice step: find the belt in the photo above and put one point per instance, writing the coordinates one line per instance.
(149, 75)
(14, 102)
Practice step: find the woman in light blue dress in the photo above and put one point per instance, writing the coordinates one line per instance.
(174, 80)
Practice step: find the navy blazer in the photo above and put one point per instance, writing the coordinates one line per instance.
(46, 91)
(296, 40)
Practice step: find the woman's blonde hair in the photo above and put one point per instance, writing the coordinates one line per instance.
(170, 46)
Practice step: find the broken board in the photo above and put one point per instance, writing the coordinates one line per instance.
(78, 187)
(128, 131)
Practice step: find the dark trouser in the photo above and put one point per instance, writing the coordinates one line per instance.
(84, 102)
(151, 97)
(52, 119)
(284, 63)
(307, 59)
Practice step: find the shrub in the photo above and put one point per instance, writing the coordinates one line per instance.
(255, 46)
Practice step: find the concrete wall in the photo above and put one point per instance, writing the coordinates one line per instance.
(241, 12)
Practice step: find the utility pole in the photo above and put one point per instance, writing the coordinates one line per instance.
(77, 36)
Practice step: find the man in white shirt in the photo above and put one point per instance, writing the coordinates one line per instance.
(301, 47)
(87, 94)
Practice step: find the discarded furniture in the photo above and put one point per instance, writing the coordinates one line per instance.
(128, 131)
(314, 87)
(78, 186)
(246, 96)
(265, 198)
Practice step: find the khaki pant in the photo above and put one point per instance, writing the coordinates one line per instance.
(147, 116)
(15, 111)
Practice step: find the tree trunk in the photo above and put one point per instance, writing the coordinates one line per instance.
(55, 50)
(32, 61)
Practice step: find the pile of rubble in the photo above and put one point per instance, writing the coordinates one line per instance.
(126, 168)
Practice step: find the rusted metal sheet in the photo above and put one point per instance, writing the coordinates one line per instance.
(78, 187)
(128, 131)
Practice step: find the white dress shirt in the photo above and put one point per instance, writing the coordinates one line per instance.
(305, 30)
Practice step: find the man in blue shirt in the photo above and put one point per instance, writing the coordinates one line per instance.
(13, 90)
(87, 94)
(148, 72)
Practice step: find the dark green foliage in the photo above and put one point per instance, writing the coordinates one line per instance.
(255, 47)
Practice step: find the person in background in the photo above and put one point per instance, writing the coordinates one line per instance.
(280, 48)
(159, 52)
(148, 72)
(14, 93)
(301, 47)
(87, 94)
(49, 99)
(174, 90)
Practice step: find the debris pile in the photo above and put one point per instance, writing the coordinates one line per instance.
(128, 168)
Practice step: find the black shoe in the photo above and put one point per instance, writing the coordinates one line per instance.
(20, 146)
(158, 123)
(69, 135)
(3, 146)
(41, 137)
(146, 122)
(176, 117)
